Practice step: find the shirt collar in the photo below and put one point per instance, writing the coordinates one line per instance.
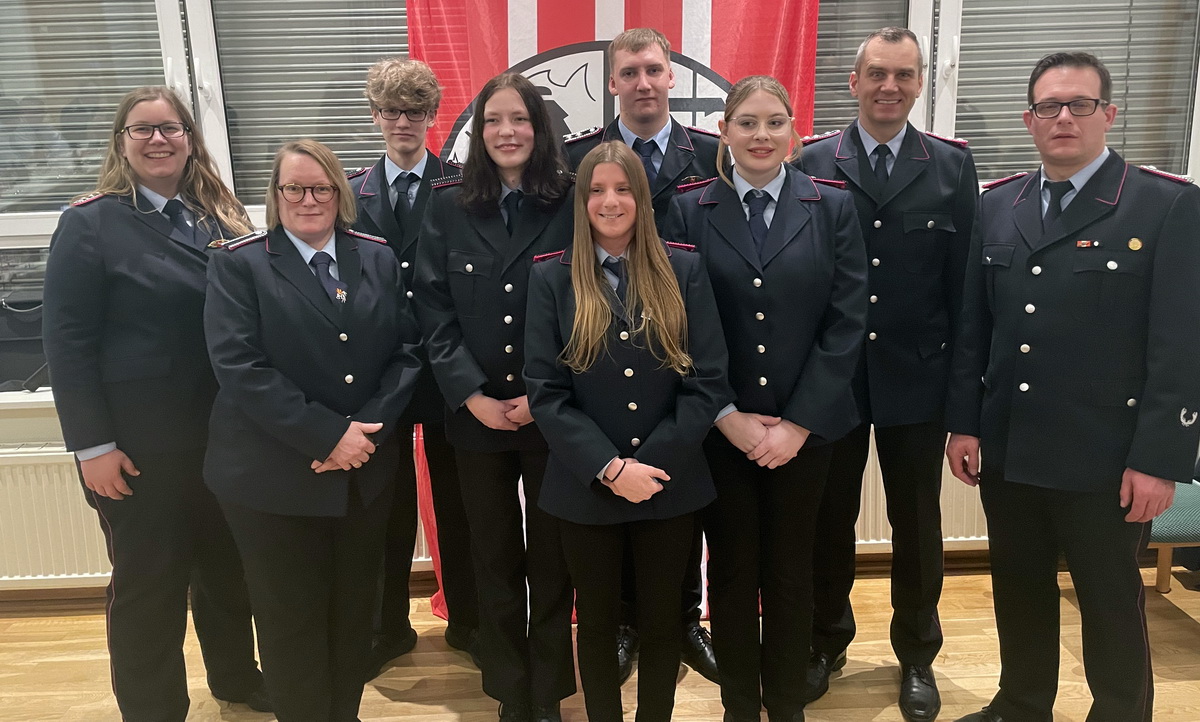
(504, 191)
(392, 170)
(307, 251)
(660, 139)
(603, 255)
(1084, 174)
(775, 187)
(870, 144)
(159, 202)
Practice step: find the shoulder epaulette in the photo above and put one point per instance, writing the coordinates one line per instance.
(580, 135)
(452, 164)
(548, 256)
(680, 246)
(568, 174)
(449, 180)
(810, 139)
(692, 186)
(365, 236)
(704, 131)
(245, 240)
(830, 182)
(1177, 178)
(87, 199)
(952, 141)
(356, 172)
(1001, 181)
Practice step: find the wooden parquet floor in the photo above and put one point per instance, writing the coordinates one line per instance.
(53, 666)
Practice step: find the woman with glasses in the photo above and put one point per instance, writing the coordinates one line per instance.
(786, 259)
(124, 337)
(626, 371)
(312, 341)
(477, 244)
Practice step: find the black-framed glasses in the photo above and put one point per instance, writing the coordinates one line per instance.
(413, 115)
(1080, 108)
(294, 192)
(145, 131)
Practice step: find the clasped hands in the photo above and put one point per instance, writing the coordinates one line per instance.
(352, 451)
(769, 441)
(500, 414)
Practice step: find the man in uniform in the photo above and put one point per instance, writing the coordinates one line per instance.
(915, 194)
(1075, 381)
(640, 77)
(391, 195)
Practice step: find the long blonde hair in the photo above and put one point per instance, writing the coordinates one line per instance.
(201, 185)
(652, 288)
(738, 94)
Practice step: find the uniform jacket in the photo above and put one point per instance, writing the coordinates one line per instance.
(295, 368)
(917, 231)
(472, 284)
(626, 404)
(691, 156)
(123, 327)
(1079, 343)
(793, 319)
(375, 216)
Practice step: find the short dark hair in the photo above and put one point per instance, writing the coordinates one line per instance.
(1075, 59)
(892, 34)
(545, 177)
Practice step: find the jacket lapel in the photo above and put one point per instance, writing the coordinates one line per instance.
(911, 162)
(377, 202)
(434, 170)
(349, 265)
(286, 261)
(677, 157)
(491, 229)
(1095, 200)
(730, 220)
(1027, 210)
(161, 224)
(846, 158)
(530, 223)
(791, 213)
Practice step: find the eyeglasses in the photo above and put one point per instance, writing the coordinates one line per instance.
(415, 116)
(1080, 108)
(143, 131)
(749, 125)
(294, 193)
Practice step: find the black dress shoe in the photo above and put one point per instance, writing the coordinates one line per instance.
(795, 717)
(256, 700)
(387, 647)
(464, 639)
(820, 666)
(515, 712)
(546, 713)
(731, 717)
(697, 652)
(987, 714)
(919, 698)
(627, 651)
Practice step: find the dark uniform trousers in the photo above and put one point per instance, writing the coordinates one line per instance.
(125, 342)
(377, 217)
(331, 562)
(917, 228)
(792, 313)
(627, 404)
(691, 156)
(1076, 362)
(471, 286)
(168, 535)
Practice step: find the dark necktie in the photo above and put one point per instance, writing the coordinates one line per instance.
(320, 262)
(511, 203)
(1058, 189)
(881, 154)
(758, 200)
(174, 211)
(645, 148)
(402, 183)
(616, 267)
